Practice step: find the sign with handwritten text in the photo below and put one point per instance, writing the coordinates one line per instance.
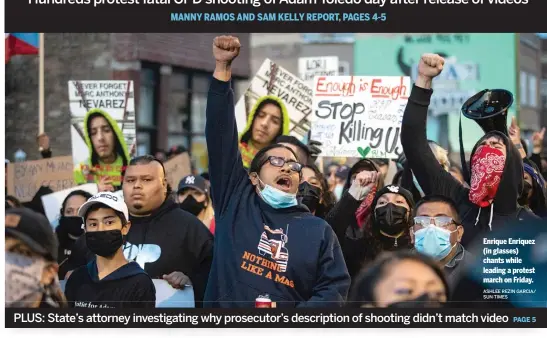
(356, 116)
(294, 93)
(25, 178)
(177, 168)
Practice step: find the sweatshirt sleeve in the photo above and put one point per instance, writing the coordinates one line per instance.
(200, 244)
(145, 295)
(225, 164)
(333, 282)
(433, 179)
(342, 215)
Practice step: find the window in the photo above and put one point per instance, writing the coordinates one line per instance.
(146, 114)
(532, 91)
(523, 93)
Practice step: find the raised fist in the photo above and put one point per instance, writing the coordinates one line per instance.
(430, 65)
(226, 48)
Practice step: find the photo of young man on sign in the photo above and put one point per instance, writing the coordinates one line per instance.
(103, 131)
(108, 152)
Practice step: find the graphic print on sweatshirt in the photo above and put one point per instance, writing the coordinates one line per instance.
(142, 253)
(273, 256)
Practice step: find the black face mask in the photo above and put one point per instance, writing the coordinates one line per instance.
(104, 243)
(524, 199)
(424, 301)
(191, 205)
(71, 225)
(391, 219)
(309, 196)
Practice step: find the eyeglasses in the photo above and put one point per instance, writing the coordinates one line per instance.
(280, 162)
(439, 221)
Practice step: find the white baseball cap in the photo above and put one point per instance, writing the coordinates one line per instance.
(111, 200)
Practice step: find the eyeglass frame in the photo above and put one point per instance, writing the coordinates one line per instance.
(289, 162)
(435, 218)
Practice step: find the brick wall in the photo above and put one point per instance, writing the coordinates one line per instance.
(67, 56)
(179, 49)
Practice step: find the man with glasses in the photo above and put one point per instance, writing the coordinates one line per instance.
(437, 232)
(265, 242)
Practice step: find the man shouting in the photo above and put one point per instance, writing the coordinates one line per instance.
(265, 243)
(496, 165)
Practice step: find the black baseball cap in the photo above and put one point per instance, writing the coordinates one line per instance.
(34, 230)
(343, 172)
(194, 182)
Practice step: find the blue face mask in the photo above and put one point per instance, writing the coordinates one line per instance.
(276, 198)
(433, 241)
(338, 190)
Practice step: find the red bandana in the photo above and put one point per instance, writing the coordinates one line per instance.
(486, 169)
(364, 209)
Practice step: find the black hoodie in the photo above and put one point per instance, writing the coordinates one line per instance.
(170, 240)
(127, 287)
(433, 179)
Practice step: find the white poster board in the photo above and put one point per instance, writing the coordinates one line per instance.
(310, 67)
(359, 116)
(272, 79)
(166, 296)
(52, 202)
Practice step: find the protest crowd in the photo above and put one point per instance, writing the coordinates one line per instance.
(270, 224)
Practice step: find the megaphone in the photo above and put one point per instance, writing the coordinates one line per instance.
(489, 109)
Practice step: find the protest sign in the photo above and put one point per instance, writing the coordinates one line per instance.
(53, 202)
(107, 108)
(310, 67)
(166, 295)
(25, 178)
(359, 116)
(177, 168)
(272, 79)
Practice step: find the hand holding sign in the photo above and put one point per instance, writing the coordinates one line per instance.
(43, 142)
(105, 184)
(177, 279)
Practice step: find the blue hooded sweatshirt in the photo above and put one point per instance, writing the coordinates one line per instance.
(289, 254)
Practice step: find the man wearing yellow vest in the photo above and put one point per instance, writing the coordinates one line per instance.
(268, 119)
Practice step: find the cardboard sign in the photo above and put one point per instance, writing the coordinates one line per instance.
(359, 116)
(177, 168)
(272, 79)
(53, 202)
(310, 67)
(105, 137)
(166, 296)
(25, 178)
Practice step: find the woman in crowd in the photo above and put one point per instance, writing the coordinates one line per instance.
(369, 222)
(314, 191)
(400, 279)
(193, 196)
(533, 192)
(69, 228)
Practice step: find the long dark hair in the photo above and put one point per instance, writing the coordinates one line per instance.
(82, 193)
(328, 198)
(363, 289)
(247, 136)
(118, 148)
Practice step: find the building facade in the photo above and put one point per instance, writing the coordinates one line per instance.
(171, 75)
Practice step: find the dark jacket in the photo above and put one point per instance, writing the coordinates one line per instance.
(289, 254)
(170, 240)
(127, 287)
(434, 180)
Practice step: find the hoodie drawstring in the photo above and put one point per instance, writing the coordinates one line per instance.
(491, 216)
